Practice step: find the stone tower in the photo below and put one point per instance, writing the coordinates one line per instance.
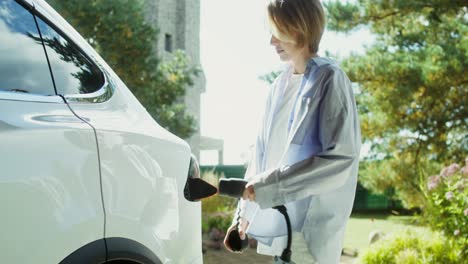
(178, 22)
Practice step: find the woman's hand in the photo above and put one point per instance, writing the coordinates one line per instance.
(241, 228)
(249, 193)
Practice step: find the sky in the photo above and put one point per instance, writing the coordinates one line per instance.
(234, 52)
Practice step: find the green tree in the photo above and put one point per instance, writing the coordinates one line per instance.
(413, 88)
(118, 31)
(269, 77)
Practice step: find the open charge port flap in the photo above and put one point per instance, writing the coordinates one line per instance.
(196, 188)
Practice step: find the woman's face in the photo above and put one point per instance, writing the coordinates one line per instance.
(287, 50)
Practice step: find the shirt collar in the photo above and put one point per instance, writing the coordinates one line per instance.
(316, 61)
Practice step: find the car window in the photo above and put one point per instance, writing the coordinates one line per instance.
(23, 65)
(73, 72)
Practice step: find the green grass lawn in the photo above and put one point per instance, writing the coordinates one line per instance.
(361, 225)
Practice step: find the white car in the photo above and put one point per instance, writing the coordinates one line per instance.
(86, 174)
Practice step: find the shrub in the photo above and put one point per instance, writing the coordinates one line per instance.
(447, 204)
(410, 246)
(220, 221)
(217, 211)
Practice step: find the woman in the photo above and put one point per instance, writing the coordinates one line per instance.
(310, 123)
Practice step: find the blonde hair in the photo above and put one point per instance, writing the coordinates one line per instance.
(298, 21)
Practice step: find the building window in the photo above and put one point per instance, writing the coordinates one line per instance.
(168, 42)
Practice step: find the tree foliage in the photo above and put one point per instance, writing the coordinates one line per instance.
(269, 77)
(118, 31)
(413, 87)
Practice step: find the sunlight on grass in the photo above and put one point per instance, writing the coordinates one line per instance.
(360, 226)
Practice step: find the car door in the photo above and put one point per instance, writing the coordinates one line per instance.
(144, 167)
(50, 198)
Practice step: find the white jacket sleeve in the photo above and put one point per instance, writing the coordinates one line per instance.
(339, 135)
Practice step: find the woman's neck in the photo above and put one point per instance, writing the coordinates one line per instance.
(300, 63)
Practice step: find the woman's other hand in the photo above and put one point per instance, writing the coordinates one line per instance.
(241, 227)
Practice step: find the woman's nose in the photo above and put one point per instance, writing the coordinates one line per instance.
(273, 40)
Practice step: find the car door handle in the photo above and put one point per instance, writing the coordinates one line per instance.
(59, 119)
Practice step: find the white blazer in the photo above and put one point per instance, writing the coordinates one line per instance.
(324, 129)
